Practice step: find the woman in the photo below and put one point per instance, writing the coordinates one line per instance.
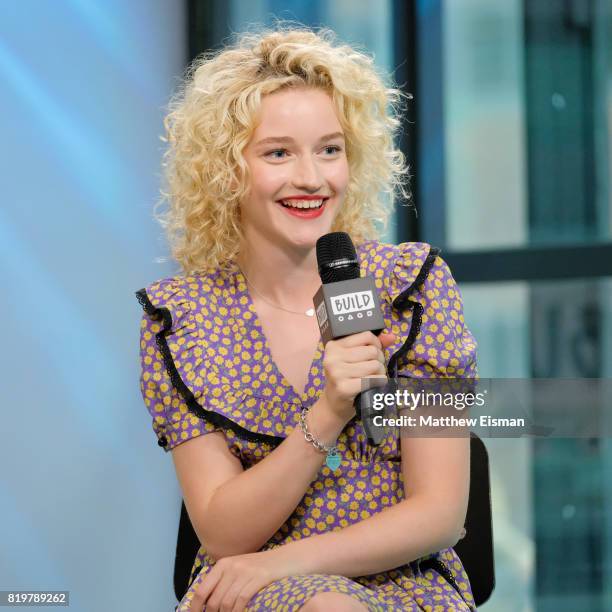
(273, 142)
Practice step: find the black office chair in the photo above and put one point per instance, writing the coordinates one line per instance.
(475, 550)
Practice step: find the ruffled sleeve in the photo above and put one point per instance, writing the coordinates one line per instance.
(167, 314)
(434, 340)
(195, 355)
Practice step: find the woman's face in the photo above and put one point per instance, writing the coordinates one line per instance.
(297, 159)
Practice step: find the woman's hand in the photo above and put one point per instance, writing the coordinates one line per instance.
(232, 581)
(346, 361)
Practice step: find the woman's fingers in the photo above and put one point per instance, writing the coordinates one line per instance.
(213, 596)
(372, 367)
(243, 598)
(203, 590)
(230, 598)
(362, 353)
(347, 361)
(366, 337)
(387, 339)
(383, 340)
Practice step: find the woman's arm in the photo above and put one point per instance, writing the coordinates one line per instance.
(237, 512)
(245, 511)
(429, 519)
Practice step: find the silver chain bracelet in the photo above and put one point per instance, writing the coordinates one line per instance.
(333, 459)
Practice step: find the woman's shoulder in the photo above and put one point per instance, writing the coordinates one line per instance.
(204, 281)
(374, 253)
(396, 268)
(176, 298)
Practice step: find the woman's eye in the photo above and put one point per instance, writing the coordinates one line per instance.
(276, 154)
(334, 149)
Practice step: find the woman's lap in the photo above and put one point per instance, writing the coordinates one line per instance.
(292, 592)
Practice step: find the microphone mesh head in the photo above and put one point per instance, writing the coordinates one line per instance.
(337, 258)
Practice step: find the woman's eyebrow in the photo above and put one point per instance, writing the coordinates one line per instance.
(288, 139)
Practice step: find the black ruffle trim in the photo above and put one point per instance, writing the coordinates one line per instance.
(443, 570)
(215, 418)
(402, 302)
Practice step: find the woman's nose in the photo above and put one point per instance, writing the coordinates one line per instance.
(307, 175)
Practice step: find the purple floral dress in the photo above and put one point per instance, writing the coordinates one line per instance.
(206, 367)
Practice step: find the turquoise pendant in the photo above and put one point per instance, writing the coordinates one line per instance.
(332, 461)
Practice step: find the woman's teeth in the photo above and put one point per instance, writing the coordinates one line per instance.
(302, 203)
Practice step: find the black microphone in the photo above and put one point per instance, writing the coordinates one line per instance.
(347, 303)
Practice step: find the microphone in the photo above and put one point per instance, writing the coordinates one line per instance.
(347, 303)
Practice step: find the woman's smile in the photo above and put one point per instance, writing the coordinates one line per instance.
(304, 207)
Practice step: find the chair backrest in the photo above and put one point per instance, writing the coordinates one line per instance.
(475, 550)
(187, 546)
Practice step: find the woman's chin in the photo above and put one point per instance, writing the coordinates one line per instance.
(307, 239)
(305, 235)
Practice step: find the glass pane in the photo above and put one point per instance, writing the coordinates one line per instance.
(552, 498)
(571, 323)
(498, 316)
(528, 122)
(360, 22)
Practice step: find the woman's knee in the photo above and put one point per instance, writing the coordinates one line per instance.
(330, 600)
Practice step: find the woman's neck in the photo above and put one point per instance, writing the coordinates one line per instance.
(287, 278)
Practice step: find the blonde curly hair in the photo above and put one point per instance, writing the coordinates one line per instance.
(213, 115)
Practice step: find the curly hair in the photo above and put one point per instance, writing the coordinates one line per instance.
(213, 115)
